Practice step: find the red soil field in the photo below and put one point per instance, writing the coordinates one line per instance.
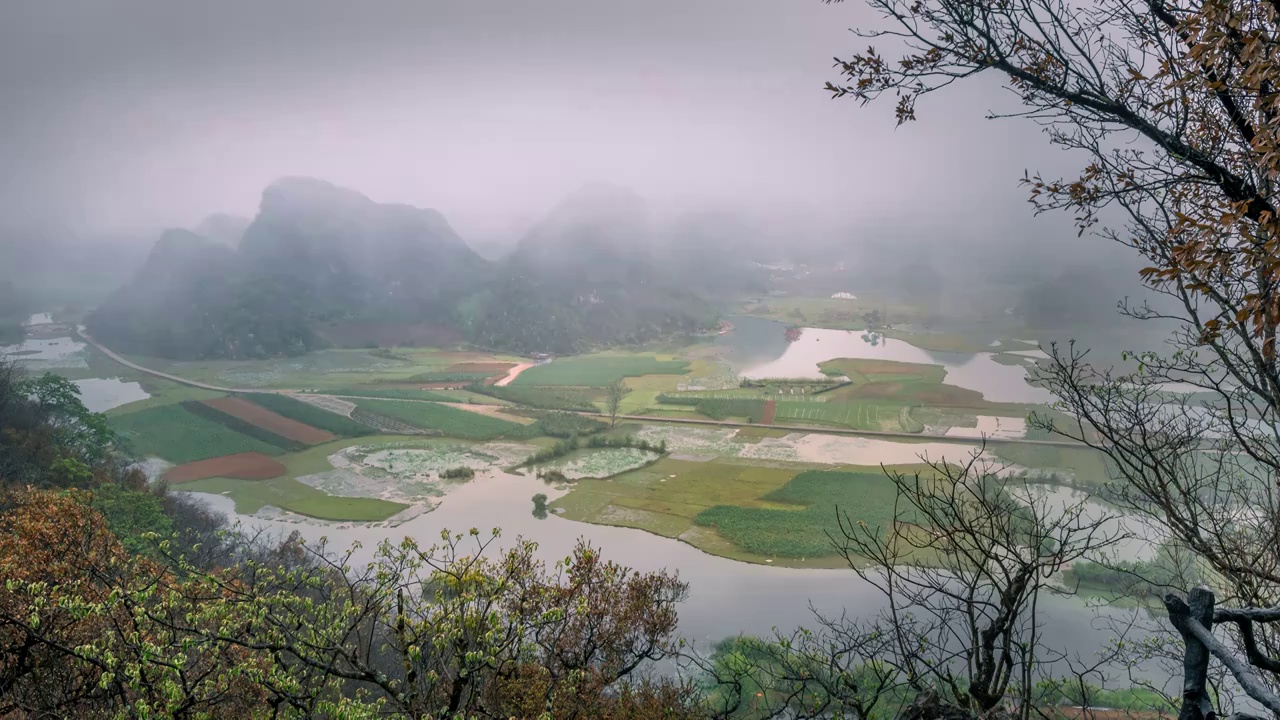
(245, 466)
(770, 411)
(269, 421)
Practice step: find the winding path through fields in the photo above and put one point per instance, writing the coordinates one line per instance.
(646, 418)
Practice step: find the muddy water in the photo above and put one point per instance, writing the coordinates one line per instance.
(725, 597)
(757, 356)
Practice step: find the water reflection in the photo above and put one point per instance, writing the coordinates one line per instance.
(800, 359)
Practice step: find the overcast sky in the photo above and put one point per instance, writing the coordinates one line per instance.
(132, 114)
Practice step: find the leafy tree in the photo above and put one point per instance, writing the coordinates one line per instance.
(454, 630)
(49, 438)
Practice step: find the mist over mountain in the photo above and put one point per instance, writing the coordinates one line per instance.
(320, 264)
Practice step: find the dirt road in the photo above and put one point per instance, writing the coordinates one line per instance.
(513, 373)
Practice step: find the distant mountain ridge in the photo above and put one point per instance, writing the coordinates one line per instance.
(319, 257)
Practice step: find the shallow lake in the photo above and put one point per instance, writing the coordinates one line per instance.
(725, 597)
(758, 357)
(102, 394)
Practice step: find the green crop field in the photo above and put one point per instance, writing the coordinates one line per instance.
(392, 393)
(308, 414)
(598, 370)
(809, 504)
(450, 421)
(545, 397)
(444, 376)
(668, 498)
(859, 415)
(180, 436)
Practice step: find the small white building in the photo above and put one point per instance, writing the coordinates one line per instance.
(844, 296)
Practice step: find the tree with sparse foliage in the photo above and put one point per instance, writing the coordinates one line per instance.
(1173, 107)
(614, 393)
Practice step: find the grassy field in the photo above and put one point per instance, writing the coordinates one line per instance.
(1088, 467)
(838, 314)
(669, 497)
(449, 421)
(179, 436)
(308, 414)
(862, 371)
(547, 397)
(804, 512)
(599, 370)
(289, 494)
(322, 369)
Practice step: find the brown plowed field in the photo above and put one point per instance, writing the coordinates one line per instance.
(492, 368)
(269, 421)
(245, 466)
(770, 412)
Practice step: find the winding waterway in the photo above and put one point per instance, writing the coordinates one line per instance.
(726, 597)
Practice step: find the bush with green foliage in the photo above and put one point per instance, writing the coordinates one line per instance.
(568, 424)
(462, 472)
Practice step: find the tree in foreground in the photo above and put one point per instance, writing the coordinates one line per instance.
(1174, 108)
(460, 629)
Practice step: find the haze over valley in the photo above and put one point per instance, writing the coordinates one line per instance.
(588, 360)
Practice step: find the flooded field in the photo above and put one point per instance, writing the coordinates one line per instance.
(47, 353)
(980, 372)
(103, 394)
(695, 443)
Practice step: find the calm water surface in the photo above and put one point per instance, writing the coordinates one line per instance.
(102, 394)
(725, 597)
(758, 349)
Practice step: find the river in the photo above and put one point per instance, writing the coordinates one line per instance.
(726, 597)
